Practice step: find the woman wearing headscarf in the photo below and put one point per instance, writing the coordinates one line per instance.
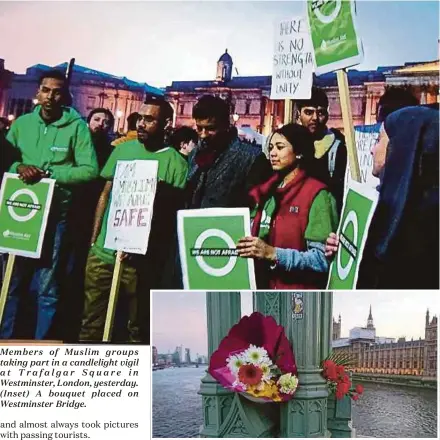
(402, 248)
(293, 213)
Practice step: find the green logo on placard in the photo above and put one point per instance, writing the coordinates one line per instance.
(200, 252)
(23, 210)
(333, 33)
(326, 12)
(212, 260)
(352, 234)
(19, 208)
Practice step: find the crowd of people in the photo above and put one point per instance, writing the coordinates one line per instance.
(294, 195)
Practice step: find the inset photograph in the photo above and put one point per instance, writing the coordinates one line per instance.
(294, 364)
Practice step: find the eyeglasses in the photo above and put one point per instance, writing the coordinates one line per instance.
(148, 119)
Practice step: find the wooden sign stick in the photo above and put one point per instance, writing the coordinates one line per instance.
(287, 111)
(347, 119)
(6, 283)
(113, 299)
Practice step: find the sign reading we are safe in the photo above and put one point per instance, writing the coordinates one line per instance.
(359, 205)
(131, 206)
(24, 210)
(207, 244)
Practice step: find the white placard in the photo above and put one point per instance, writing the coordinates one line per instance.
(366, 136)
(292, 64)
(131, 208)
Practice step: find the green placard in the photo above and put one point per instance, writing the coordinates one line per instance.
(333, 30)
(207, 243)
(24, 210)
(359, 206)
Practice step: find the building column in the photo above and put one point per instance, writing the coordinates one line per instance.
(309, 332)
(423, 95)
(223, 311)
(306, 414)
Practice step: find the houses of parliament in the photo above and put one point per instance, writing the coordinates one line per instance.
(382, 355)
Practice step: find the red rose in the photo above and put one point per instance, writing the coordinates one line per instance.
(343, 387)
(330, 370)
(346, 379)
(355, 396)
(250, 374)
(340, 370)
(339, 394)
(328, 364)
(359, 389)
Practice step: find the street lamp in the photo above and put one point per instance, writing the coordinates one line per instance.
(119, 114)
(11, 118)
(35, 101)
(235, 117)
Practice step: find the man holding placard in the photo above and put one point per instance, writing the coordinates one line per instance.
(54, 142)
(330, 148)
(140, 273)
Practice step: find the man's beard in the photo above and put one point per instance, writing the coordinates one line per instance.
(217, 142)
(99, 136)
(151, 141)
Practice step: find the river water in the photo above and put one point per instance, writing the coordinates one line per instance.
(383, 410)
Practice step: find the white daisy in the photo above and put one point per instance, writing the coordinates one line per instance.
(234, 363)
(257, 356)
(267, 373)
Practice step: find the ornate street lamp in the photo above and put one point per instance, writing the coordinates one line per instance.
(11, 118)
(235, 117)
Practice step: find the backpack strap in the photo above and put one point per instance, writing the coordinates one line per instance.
(332, 157)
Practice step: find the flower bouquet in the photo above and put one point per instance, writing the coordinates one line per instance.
(256, 359)
(338, 381)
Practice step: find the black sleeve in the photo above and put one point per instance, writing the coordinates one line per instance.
(260, 171)
(338, 180)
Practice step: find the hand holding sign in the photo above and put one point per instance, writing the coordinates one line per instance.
(331, 245)
(30, 173)
(254, 247)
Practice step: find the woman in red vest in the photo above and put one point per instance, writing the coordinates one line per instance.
(293, 214)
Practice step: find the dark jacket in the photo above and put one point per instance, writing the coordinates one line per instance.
(402, 249)
(226, 182)
(8, 155)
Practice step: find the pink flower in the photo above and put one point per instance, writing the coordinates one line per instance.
(359, 389)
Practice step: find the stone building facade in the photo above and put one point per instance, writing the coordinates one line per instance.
(248, 96)
(5, 84)
(378, 355)
(336, 329)
(430, 354)
(89, 88)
